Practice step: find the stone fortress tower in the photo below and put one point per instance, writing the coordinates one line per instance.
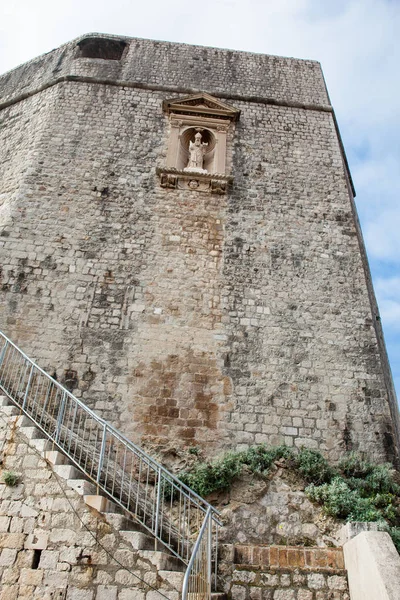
(180, 247)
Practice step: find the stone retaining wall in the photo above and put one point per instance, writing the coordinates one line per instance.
(283, 573)
(53, 547)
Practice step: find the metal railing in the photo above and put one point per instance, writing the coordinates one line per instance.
(180, 519)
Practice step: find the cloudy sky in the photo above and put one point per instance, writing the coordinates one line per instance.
(356, 42)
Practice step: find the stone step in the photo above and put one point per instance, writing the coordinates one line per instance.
(163, 561)
(82, 487)
(56, 458)
(99, 502)
(221, 596)
(139, 540)
(10, 410)
(22, 421)
(4, 400)
(67, 471)
(174, 578)
(121, 522)
(31, 432)
(41, 444)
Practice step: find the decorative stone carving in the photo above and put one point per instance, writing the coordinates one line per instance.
(197, 143)
(202, 105)
(168, 180)
(197, 149)
(218, 186)
(215, 183)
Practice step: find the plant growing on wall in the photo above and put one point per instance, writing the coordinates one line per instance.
(10, 478)
(354, 490)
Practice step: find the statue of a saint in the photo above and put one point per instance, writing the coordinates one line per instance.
(197, 149)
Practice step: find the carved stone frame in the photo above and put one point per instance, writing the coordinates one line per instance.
(200, 111)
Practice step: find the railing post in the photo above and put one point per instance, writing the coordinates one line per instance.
(102, 450)
(3, 352)
(209, 554)
(216, 555)
(158, 505)
(208, 541)
(60, 417)
(27, 388)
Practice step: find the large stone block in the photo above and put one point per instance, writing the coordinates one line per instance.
(373, 566)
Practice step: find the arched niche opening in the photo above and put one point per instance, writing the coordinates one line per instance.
(187, 136)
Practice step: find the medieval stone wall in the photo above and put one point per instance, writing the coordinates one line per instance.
(150, 64)
(185, 317)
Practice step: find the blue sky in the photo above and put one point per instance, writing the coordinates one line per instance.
(356, 42)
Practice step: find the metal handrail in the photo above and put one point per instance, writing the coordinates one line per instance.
(197, 580)
(173, 513)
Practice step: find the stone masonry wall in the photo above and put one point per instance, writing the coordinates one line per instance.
(283, 573)
(171, 66)
(182, 317)
(53, 547)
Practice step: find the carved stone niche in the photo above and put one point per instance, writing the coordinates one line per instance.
(196, 158)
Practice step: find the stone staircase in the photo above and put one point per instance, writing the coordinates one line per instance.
(170, 569)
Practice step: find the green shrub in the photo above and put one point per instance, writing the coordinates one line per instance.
(394, 533)
(314, 467)
(352, 465)
(206, 478)
(195, 450)
(340, 501)
(260, 458)
(10, 478)
(355, 491)
(368, 478)
(381, 480)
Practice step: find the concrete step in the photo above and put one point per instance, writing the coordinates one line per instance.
(139, 540)
(163, 561)
(82, 487)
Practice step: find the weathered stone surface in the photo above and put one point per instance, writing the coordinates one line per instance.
(206, 320)
(7, 557)
(53, 562)
(274, 511)
(184, 318)
(282, 572)
(373, 566)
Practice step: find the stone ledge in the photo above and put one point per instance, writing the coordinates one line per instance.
(214, 183)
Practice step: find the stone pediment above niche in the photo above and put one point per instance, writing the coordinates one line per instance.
(201, 105)
(197, 147)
